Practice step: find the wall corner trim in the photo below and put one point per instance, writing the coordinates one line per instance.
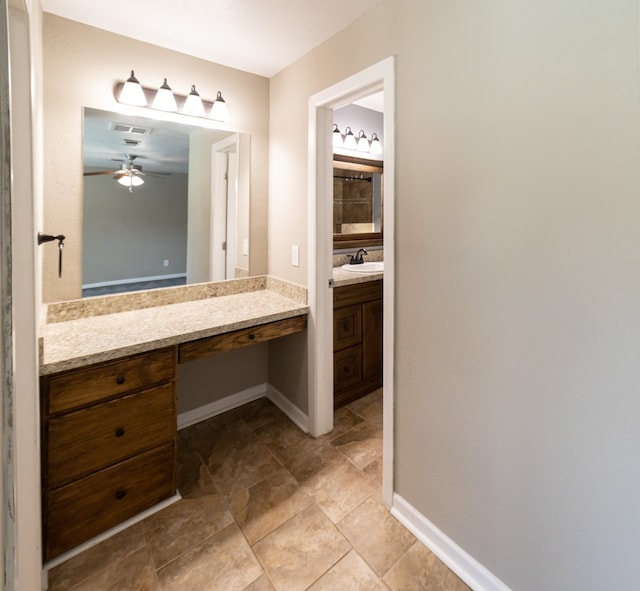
(288, 408)
(460, 562)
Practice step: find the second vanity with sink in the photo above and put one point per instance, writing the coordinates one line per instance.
(357, 330)
(108, 392)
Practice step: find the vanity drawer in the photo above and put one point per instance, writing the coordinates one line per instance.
(357, 293)
(85, 508)
(76, 388)
(240, 338)
(92, 438)
(347, 327)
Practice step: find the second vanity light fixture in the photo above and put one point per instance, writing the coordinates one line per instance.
(360, 143)
(133, 93)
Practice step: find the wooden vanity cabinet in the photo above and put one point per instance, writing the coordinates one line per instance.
(357, 341)
(108, 445)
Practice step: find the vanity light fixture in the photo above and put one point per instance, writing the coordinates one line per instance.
(132, 93)
(363, 142)
(359, 143)
(165, 101)
(350, 142)
(193, 105)
(338, 142)
(219, 109)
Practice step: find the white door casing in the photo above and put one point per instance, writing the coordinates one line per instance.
(378, 77)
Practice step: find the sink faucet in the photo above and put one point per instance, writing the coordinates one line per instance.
(357, 259)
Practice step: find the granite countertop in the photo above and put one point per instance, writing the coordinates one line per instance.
(80, 341)
(342, 277)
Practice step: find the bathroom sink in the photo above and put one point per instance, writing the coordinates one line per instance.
(370, 267)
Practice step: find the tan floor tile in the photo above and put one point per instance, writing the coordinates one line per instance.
(374, 472)
(257, 413)
(268, 504)
(350, 574)
(260, 584)
(377, 536)
(133, 573)
(190, 471)
(299, 551)
(369, 407)
(362, 444)
(243, 468)
(93, 560)
(299, 453)
(358, 405)
(339, 489)
(183, 525)
(420, 570)
(223, 561)
(343, 420)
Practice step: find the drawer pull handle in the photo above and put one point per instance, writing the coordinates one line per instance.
(120, 380)
(119, 432)
(251, 336)
(121, 494)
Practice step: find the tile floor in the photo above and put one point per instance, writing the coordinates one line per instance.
(266, 507)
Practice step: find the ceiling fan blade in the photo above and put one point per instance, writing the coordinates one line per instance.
(101, 172)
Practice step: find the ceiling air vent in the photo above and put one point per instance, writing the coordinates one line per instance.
(129, 142)
(134, 129)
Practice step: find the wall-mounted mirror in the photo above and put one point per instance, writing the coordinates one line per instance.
(357, 202)
(164, 203)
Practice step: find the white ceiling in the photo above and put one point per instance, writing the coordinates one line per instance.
(258, 36)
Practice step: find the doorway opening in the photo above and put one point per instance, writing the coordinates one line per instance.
(379, 77)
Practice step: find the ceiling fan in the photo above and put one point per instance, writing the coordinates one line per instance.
(129, 174)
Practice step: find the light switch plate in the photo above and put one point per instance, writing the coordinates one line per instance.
(245, 247)
(295, 255)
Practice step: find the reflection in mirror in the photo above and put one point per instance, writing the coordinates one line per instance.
(164, 204)
(357, 202)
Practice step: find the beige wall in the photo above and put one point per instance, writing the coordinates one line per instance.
(81, 66)
(517, 225)
(213, 378)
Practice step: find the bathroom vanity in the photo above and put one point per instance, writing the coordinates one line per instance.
(108, 392)
(357, 335)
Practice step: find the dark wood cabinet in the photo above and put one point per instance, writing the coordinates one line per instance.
(108, 445)
(357, 341)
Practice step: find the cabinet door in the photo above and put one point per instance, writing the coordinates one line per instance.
(347, 368)
(372, 339)
(347, 327)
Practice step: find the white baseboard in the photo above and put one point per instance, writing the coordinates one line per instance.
(212, 409)
(460, 562)
(288, 408)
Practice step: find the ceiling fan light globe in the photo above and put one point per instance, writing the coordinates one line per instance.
(130, 180)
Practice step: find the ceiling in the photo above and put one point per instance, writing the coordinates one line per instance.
(258, 36)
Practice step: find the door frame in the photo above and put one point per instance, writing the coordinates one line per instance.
(378, 77)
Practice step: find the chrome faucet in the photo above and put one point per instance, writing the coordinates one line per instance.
(357, 259)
